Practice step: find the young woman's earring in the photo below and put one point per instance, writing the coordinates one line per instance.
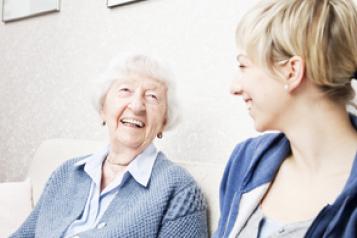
(286, 87)
(103, 123)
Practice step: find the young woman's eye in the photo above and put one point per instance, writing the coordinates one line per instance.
(241, 66)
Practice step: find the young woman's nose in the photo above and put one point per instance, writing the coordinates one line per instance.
(236, 88)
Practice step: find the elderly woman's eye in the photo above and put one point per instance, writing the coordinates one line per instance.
(124, 91)
(152, 97)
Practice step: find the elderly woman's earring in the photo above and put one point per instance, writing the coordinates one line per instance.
(159, 135)
(103, 123)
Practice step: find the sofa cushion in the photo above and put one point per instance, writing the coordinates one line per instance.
(15, 205)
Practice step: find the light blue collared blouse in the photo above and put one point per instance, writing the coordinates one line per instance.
(98, 201)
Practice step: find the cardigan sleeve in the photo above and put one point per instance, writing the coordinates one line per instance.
(186, 215)
(233, 175)
(28, 228)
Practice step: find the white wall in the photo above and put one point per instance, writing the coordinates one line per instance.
(48, 62)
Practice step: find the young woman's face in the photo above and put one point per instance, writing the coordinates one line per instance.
(264, 96)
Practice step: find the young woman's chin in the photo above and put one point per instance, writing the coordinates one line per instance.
(261, 125)
(259, 129)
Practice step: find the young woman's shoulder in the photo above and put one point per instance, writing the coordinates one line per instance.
(246, 150)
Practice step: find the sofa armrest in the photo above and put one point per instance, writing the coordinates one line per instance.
(15, 205)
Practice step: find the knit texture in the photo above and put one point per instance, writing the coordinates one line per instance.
(172, 205)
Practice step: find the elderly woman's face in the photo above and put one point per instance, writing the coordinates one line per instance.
(135, 111)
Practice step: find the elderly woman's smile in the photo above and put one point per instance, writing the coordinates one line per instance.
(132, 122)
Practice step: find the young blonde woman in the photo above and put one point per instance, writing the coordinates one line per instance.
(296, 60)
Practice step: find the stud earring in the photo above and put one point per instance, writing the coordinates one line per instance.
(159, 135)
(103, 123)
(286, 87)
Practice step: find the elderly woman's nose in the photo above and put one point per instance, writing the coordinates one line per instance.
(236, 88)
(137, 103)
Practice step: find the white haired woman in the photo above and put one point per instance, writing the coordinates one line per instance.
(296, 59)
(129, 188)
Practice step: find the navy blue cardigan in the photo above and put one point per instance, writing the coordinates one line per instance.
(255, 162)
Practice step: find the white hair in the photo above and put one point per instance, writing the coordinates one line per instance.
(139, 64)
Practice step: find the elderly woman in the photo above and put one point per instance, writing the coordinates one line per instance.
(128, 189)
(296, 60)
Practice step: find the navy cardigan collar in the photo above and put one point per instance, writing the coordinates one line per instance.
(268, 166)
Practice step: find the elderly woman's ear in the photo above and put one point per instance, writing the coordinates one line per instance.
(103, 117)
(159, 135)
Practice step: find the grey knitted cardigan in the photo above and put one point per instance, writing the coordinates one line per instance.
(171, 205)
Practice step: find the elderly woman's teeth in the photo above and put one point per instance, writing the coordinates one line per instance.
(132, 122)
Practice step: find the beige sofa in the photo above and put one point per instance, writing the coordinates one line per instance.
(53, 152)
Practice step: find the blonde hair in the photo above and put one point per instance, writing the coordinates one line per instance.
(322, 32)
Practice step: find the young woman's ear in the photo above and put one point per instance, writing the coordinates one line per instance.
(295, 71)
